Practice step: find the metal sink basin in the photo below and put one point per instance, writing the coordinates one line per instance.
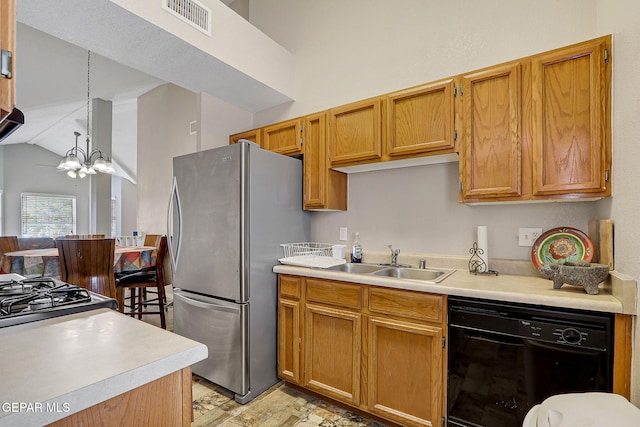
(423, 275)
(430, 275)
(356, 268)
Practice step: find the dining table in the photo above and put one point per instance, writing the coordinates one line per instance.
(45, 262)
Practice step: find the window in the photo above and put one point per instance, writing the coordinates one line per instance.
(114, 217)
(46, 215)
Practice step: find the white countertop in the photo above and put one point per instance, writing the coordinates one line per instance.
(53, 368)
(617, 295)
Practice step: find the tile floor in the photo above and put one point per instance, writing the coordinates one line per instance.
(279, 406)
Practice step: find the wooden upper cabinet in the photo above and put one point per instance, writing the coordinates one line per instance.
(284, 138)
(7, 43)
(254, 135)
(323, 188)
(355, 132)
(420, 120)
(571, 129)
(490, 157)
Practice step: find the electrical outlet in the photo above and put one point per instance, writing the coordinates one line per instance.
(343, 234)
(528, 236)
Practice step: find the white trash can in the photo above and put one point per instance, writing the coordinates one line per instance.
(592, 409)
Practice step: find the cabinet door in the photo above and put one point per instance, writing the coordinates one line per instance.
(289, 332)
(284, 138)
(420, 120)
(571, 134)
(491, 151)
(8, 43)
(355, 132)
(323, 188)
(332, 353)
(405, 371)
(289, 340)
(254, 135)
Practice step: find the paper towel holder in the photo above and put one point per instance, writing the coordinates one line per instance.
(477, 264)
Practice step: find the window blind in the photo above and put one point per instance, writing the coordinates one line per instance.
(45, 215)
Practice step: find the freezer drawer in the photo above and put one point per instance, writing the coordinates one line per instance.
(222, 327)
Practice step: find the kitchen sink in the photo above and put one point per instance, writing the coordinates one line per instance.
(432, 275)
(424, 275)
(356, 268)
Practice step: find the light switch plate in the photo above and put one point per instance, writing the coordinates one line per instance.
(528, 236)
(343, 234)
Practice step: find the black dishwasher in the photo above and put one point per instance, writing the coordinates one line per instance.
(504, 358)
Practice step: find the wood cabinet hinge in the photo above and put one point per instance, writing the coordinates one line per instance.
(455, 135)
(6, 64)
(444, 342)
(301, 141)
(444, 421)
(455, 91)
(606, 56)
(461, 90)
(461, 186)
(606, 175)
(301, 128)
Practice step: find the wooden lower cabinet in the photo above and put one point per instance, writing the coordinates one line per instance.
(379, 350)
(405, 363)
(289, 340)
(332, 353)
(166, 401)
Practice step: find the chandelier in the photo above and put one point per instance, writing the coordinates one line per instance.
(79, 163)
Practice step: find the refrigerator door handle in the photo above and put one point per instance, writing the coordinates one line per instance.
(209, 303)
(175, 196)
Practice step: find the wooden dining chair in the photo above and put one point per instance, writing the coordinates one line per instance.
(138, 282)
(152, 240)
(84, 236)
(8, 244)
(88, 263)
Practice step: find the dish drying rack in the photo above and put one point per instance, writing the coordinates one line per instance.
(309, 254)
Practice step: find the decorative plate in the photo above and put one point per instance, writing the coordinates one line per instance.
(560, 245)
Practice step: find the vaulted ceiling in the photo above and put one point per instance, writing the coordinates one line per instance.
(129, 57)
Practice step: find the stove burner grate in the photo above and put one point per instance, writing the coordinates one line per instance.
(46, 294)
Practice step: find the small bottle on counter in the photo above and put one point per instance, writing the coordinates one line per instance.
(356, 249)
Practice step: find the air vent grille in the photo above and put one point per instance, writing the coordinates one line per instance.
(192, 12)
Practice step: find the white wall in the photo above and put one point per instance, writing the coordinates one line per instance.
(164, 114)
(164, 117)
(345, 51)
(128, 208)
(218, 120)
(32, 169)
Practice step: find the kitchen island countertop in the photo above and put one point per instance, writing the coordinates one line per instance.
(56, 367)
(616, 295)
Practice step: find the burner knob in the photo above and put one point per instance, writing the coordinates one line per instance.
(571, 336)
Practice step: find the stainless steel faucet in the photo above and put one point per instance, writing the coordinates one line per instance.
(394, 256)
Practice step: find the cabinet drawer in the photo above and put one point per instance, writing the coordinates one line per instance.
(415, 305)
(335, 293)
(289, 286)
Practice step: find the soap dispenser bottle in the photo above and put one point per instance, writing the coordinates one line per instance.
(356, 249)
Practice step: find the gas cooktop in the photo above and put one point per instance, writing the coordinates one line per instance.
(28, 300)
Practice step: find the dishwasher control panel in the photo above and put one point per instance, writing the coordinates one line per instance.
(579, 336)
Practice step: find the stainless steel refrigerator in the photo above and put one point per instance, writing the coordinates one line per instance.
(231, 208)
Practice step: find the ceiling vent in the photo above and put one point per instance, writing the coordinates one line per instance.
(190, 11)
